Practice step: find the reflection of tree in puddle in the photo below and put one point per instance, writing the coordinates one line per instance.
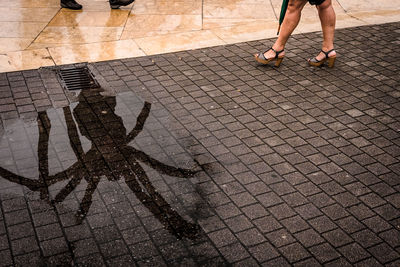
(109, 156)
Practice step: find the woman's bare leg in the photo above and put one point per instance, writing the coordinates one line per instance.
(290, 22)
(327, 17)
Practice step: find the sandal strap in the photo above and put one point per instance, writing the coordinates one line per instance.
(327, 53)
(276, 52)
(315, 60)
(261, 54)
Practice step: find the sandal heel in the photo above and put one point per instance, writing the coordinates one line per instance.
(261, 58)
(331, 62)
(317, 63)
(278, 62)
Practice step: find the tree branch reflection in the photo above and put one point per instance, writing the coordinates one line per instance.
(109, 156)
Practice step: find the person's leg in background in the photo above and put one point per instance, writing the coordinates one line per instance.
(114, 4)
(70, 4)
(327, 17)
(292, 18)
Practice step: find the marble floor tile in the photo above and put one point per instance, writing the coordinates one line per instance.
(30, 3)
(247, 32)
(178, 42)
(23, 14)
(109, 18)
(237, 11)
(95, 52)
(213, 23)
(377, 17)
(25, 60)
(14, 44)
(193, 7)
(369, 5)
(21, 29)
(150, 25)
(79, 35)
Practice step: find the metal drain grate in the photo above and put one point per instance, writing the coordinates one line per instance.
(77, 78)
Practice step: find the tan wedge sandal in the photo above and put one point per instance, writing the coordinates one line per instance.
(261, 58)
(331, 60)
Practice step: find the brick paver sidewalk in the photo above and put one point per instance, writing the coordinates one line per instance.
(206, 158)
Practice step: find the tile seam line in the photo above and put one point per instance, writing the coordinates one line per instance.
(47, 24)
(202, 14)
(273, 9)
(126, 21)
(52, 59)
(174, 33)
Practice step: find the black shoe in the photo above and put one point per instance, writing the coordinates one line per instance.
(71, 4)
(117, 3)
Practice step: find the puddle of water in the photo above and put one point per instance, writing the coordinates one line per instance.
(66, 154)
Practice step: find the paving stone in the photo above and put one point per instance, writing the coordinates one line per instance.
(350, 224)
(338, 262)
(294, 252)
(267, 224)
(337, 237)
(335, 212)
(309, 237)
(24, 245)
(354, 253)
(94, 259)
(294, 199)
(368, 262)
(308, 189)
(376, 224)
(295, 224)
(384, 253)
(84, 247)
(322, 224)
(5, 255)
(239, 223)
(308, 211)
(21, 230)
(392, 237)
(321, 200)
(54, 246)
(361, 211)
(33, 258)
(280, 261)
(222, 238)
(324, 252)
(234, 252)
(263, 252)
(4, 242)
(113, 248)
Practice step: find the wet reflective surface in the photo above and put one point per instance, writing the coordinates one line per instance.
(41, 30)
(94, 141)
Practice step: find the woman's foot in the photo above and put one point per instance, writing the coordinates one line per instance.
(270, 55)
(323, 56)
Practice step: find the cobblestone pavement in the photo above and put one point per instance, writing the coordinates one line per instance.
(205, 158)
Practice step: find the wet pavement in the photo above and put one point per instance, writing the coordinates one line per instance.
(37, 33)
(206, 158)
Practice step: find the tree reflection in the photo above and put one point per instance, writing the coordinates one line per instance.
(109, 156)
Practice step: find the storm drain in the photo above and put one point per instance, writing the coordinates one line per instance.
(77, 78)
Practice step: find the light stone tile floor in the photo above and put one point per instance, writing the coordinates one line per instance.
(35, 33)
